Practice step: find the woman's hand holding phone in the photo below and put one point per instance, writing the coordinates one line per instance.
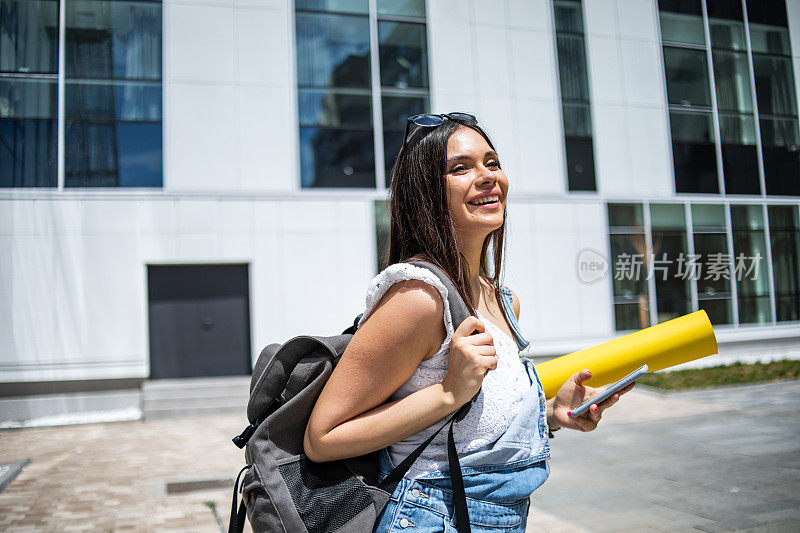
(572, 394)
(472, 355)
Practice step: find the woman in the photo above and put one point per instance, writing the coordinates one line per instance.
(408, 366)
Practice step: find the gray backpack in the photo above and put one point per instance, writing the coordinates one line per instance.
(282, 490)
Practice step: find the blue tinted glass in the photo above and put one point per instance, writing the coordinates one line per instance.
(118, 39)
(332, 157)
(334, 108)
(29, 30)
(403, 54)
(28, 98)
(116, 100)
(28, 150)
(113, 154)
(332, 50)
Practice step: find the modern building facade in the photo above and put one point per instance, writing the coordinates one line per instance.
(185, 181)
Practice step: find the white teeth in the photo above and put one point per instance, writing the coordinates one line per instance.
(486, 200)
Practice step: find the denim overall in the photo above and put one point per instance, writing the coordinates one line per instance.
(498, 482)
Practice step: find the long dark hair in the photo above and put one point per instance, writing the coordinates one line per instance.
(421, 224)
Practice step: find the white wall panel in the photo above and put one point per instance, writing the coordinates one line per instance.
(600, 18)
(306, 216)
(533, 64)
(604, 64)
(489, 12)
(157, 217)
(540, 147)
(496, 117)
(611, 149)
(793, 16)
(531, 14)
(199, 43)
(201, 134)
(309, 292)
(265, 130)
(114, 308)
(651, 167)
(263, 51)
(491, 64)
(638, 19)
(451, 11)
(451, 58)
(643, 74)
(110, 217)
(197, 248)
(195, 216)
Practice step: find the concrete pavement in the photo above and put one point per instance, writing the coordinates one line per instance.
(723, 460)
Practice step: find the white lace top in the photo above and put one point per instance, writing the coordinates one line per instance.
(497, 403)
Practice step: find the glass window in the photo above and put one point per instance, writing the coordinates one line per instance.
(577, 119)
(360, 7)
(682, 28)
(332, 51)
(28, 132)
(687, 77)
(113, 39)
(572, 68)
(403, 54)
(693, 152)
(568, 16)
(769, 39)
(402, 8)
(395, 110)
(580, 163)
(712, 262)
(332, 157)
(629, 264)
(626, 216)
(336, 105)
(574, 83)
(775, 88)
(29, 36)
(784, 232)
(335, 108)
(732, 80)
(687, 7)
(670, 251)
(750, 257)
(113, 94)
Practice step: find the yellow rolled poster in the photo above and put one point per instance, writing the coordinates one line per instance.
(675, 341)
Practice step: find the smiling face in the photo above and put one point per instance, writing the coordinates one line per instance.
(476, 186)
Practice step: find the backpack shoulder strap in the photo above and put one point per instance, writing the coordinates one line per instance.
(458, 309)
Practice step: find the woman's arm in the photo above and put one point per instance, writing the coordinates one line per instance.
(350, 418)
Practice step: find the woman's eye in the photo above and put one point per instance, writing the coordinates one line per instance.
(495, 164)
(458, 168)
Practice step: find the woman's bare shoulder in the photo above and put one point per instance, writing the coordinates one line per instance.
(410, 309)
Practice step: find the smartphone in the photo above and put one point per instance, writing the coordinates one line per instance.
(614, 388)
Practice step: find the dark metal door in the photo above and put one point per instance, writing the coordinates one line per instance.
(199, 320)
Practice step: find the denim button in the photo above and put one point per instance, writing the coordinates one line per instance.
(415, 493)
(404, 523)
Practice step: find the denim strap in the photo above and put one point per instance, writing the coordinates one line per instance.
(508, 307)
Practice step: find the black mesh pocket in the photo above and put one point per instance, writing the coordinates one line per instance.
(326, 495)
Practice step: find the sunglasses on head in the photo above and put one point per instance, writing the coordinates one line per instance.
(432, 120)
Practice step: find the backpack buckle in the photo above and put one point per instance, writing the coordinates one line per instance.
(241, 440)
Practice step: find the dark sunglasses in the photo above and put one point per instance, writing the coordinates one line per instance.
(431, 120)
